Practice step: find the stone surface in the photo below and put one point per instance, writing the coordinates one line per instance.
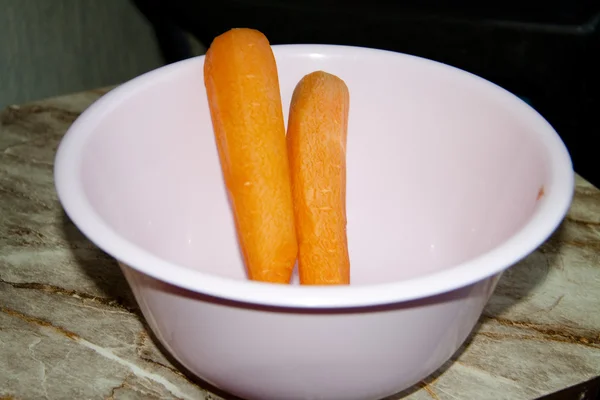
(69, 328)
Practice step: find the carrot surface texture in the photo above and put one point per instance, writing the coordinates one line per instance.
(242, 85)
(316, 140)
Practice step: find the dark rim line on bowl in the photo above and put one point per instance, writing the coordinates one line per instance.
(550, 211)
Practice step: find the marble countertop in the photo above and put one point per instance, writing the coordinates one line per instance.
(69, 328)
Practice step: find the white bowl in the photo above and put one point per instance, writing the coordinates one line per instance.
(451, 180)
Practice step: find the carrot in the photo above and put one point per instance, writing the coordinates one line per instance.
(316, 140)
(242, 85)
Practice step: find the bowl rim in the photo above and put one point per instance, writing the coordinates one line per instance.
(550, 211)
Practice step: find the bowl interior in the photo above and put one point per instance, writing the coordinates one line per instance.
(442, 166)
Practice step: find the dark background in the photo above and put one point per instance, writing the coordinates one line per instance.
(545, 52)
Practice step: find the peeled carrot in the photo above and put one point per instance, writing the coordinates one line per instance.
(242, 85)
(316, 140)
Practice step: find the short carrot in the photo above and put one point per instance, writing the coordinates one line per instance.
(316, 140)
(242, 85)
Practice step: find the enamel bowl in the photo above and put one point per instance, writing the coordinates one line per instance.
(451, 180)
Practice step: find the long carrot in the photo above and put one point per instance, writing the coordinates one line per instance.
(316, 140)
(242, 85)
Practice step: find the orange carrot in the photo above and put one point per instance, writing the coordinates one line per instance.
(242, 85)
(316, 140)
